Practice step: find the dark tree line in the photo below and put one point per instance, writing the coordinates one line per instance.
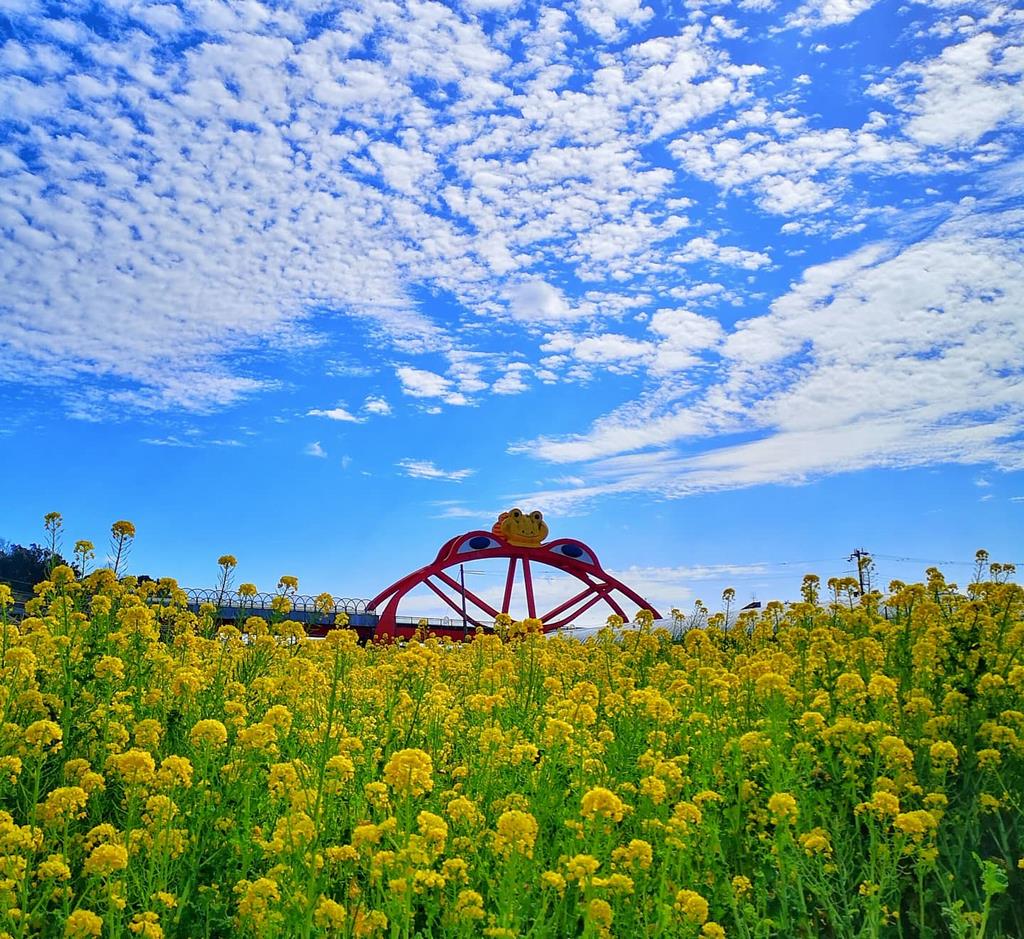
(22, 567)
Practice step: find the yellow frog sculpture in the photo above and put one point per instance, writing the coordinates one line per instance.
(518, 528)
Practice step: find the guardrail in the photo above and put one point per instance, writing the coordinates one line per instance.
(309, 611)
(301, 603)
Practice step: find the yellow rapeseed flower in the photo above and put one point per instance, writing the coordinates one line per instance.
(553, 880)
(741, 885)
(63, 804)
(106, 859)
(599, 912)
(329, 915)
(816, 841)
(10, 768)
(135, 766)
(917, 824)
(638, 853)
(175, 772)
(783, 807)
(433, 830)
(83, 924)
(257, 900)
(278, 717)
(691, 906)
(44, 735)
(147, 733)
(55, 867)
(469, 906)
(462, 810)
(410, 772)
(516, 833)
(989, 757)
(146, 925)
(109, 667)
(210, 732)
(581, 867)
(602, 803)
(369, 923)
(339, 770)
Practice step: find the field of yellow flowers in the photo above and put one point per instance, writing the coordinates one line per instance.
(844, 766)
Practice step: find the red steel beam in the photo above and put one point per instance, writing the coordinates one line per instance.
(451, 602)
(531, 605)
(469, 595)
(509, 584)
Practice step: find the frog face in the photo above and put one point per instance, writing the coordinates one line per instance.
(519, 528)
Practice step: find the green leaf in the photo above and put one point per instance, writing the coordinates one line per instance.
(993, 877)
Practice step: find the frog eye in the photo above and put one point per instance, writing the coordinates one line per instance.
(478, 543)
(516, 513)
(573, 550)
(537, 516)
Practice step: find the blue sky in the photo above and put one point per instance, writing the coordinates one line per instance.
(725, 289)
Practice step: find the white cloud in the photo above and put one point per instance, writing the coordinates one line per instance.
(335, 414)
(419, 383)
(888, 357)
(513, 381)
(162, 18)
(971, 89)
(240, 199)
(707, 249)
(452, 508)
(676, 340)
(502, 5)
(425, 469)
(314, 449)
(536, 301)
(227, 210)
(608, 18)
(682, 335)
(170, 441)
(377, 405)
(193, 439)
(817, 14)
(937, 114)
(610, 347)
(465, 369)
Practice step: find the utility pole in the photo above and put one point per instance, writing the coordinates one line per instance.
(462, 586)
(862, 558)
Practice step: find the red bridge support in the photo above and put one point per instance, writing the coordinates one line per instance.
(518, 539)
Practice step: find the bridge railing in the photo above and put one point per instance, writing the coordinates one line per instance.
(263, 602)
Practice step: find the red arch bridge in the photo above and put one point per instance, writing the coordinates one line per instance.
(517, 538)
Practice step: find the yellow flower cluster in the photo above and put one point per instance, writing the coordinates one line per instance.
(602, 803)
(409, 772)
(826, 768)
(516, 833)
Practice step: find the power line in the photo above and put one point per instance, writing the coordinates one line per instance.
(894, 557)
